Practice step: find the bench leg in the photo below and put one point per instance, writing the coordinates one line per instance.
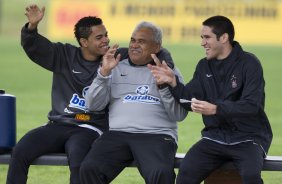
(224, 177)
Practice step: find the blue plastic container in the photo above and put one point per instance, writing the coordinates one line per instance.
(7, 121)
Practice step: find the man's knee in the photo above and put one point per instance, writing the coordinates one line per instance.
(21, 154)
(160, 172)
(251, 177)
(87, 167)
(90, 173)
(186, 178)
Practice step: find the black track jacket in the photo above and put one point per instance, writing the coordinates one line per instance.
(236, 86)
(72, 76)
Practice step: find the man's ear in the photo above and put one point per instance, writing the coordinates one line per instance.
(158, 48)
(83, 42)
(224, 38)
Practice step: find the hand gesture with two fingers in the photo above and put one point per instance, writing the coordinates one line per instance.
(162, 73)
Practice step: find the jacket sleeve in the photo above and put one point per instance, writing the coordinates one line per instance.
(175, 111)
(98, 95)
(193, 89)
(252, 96)
(40, 50)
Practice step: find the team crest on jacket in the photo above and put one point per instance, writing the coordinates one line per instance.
(142, 96)
(233, 82)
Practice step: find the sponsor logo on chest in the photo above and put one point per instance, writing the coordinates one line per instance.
(77, 102)
(142, 96)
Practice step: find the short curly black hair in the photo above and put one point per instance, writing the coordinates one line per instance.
(82, 28)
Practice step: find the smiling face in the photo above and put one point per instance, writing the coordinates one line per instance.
(142, 45)
(213, 46)
(96, 44)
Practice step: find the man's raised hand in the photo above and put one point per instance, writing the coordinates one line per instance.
(34, 15)
(109, 61)
(162, 73)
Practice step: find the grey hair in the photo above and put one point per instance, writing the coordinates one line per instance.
(157, 32)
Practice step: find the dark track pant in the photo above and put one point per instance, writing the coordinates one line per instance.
(53, 138)
(206, 156)
(113, 151)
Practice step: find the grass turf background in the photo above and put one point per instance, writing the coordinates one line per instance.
(31, 86)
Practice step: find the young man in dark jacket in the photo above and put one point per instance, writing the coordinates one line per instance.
(70, 129)
(228, 90)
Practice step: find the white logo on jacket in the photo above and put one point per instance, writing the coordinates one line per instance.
(208, 75)
(141, 96)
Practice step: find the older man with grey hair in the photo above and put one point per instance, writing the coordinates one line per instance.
(142, 115)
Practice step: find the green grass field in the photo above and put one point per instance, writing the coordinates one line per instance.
(31, 86)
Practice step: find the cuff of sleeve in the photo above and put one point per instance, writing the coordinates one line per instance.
(162, 86)
(219, 110)
(103, 77)
(25, 29)
(174, 88)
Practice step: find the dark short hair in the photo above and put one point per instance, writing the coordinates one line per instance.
(82, 28)
(220, 25)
